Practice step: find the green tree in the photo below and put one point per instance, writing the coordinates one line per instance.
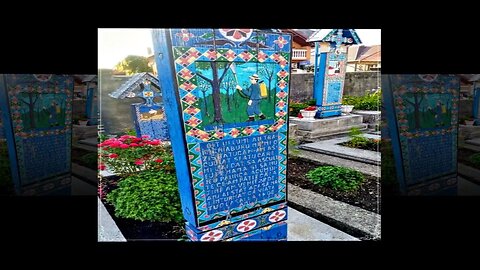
(133, 64)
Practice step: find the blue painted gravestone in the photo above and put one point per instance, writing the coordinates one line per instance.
(2, 132)
(37, 116)
(422, 112)
(92, 102)
(330, 65)
(476, 105)
(228, 128)
(149, 116)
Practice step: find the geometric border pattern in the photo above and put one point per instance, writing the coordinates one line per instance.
(184, 59)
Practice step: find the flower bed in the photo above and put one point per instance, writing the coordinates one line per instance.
(142, 197)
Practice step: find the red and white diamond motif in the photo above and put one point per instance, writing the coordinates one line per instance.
(185, 74)
(282, 84)
(212, 54)
(193, 122)
(282, 73)
(262, 56)
(189, 99)
(246, 56)
(188, 86)
(188, 57)
(211, 236)
(230, 55)
(277, 215)
(246, 225)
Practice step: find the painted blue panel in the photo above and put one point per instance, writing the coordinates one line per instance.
(150, 120)
(319, 77)
(334, 92)
(162, 45)
(2, 132)
(239, 171)
(425, 149)
(205, 76)
(92, 106)
(39, 114)
(476, 106)
(422, 116)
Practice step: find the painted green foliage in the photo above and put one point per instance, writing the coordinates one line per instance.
(221, 102)
(428, 110)
(42, 110)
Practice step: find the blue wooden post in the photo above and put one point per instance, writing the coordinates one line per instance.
(92, 105)
(476, 105)
(37, 116)
(422, 113)
(228, 128)
(330, 66)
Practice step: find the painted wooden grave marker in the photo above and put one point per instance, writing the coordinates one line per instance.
(37, 118)
(149, 116)
(228, 128)
(330, 65)
(422, 113)
(92, 102)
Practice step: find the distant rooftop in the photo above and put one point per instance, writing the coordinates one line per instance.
(327, 35)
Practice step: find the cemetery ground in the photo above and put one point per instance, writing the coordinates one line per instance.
(137, 226)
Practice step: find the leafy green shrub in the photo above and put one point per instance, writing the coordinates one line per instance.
(311, 102)
(475, 159)
(335, 177)
(370, 102)
(148, 195)
(296, 107)
(131, 132)
(90, 158)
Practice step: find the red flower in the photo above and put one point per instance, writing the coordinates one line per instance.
(124, 146)
(102, 166)
(113, 155)
(138, 162)
(311, 108)
(300, 115)
(145, 136)
(159, 160)
(154, 142)
(134, 145)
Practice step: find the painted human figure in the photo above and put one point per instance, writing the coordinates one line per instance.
(253, 94)
(438, 113)
(53, 114)
(147, 93)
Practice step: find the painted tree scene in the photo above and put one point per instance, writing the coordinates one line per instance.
(427, 111)
(226, 95)
(42, 110)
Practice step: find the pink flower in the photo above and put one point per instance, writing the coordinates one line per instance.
(113, 155)
(159, 160)
(124, 146)
(145, 136)
(134, 145)
(155, 142)
(138, 162)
